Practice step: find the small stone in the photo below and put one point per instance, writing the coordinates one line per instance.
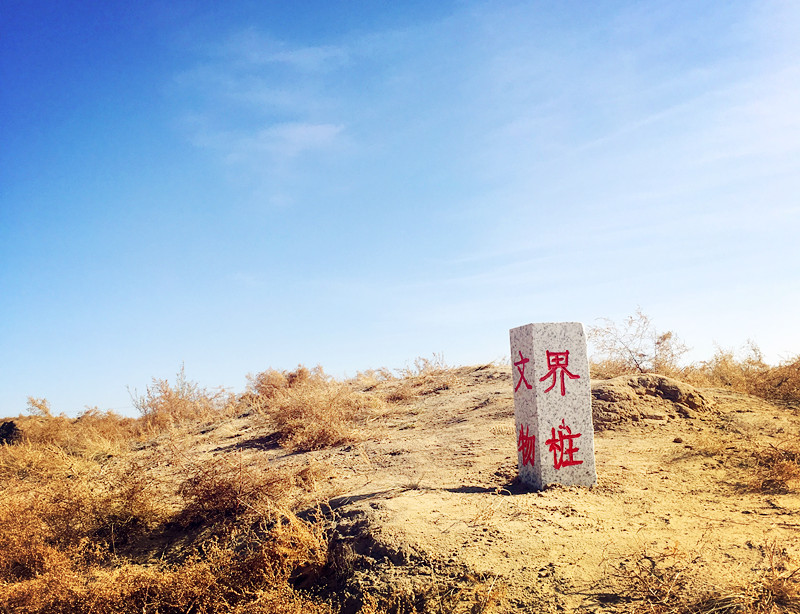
(677, 440)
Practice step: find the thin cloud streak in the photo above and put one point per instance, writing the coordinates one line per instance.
(602, 153)
(251, 49)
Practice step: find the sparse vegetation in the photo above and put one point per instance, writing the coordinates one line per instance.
(84, 527)
(79, 534)
(636, 346)
(104, 513)
(776, 468)
(426, 376)
(750, 375)
(166, 405)
(669, 582)
(310, 410)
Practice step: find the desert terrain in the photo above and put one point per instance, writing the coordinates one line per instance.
(696, 507)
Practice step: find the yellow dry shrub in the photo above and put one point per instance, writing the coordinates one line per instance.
(777, 468)
(93, 434)
(310, 410)
(748, 373)
(426, 376)
(727, 370)
(165, 405)
(218, 579)
(69, 526)
(225, 489)
(609, 368)
(672, 582)
(781, 382)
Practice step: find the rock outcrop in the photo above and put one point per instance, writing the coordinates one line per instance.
(632, 398)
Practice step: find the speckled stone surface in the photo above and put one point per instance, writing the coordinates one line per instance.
(552, 401)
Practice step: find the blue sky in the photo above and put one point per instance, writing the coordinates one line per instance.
(243, 185)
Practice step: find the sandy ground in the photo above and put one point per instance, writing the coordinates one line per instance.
(429, 495)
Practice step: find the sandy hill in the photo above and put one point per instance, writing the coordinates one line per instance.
(428, 495)
(696, 506)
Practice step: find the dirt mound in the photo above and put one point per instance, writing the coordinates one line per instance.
(632, 398)
(366, 558)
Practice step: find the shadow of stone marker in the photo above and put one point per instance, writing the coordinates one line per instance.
(552, 404)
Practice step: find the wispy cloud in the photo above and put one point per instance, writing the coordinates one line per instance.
(262, 105)
(541, 130)
(279, 143)
(250, 49)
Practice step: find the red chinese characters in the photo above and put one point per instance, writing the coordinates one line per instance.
(558, 363)
(527, 445)
(520, 365)
(562, 445)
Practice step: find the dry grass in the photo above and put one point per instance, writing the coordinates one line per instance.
(89, 525)
(86, 527)
(165, 405)
(636, 347)
(767, 468)
(748, 373)
(781, 382)
(712, 445)
(225, 490)
(310, 410)
(657, 581)
(426, 376)
(245, 573)
(93, 434)
(726, 369)
(77, 535)
(672, 582)
(776, 468)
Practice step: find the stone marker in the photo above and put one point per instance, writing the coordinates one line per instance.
(552, 404)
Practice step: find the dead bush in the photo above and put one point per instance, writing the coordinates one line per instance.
(781, 382)
(43, 520)
(635, 346)
(777, 468)
(369, 379)
(165, 405)
(746, 371)
(672, 582)
(226, 489)
(86, 528)
(657, 581)
(735, 370)
(774, 589)
(94, 434)
(270, 383)
(65, 518)
(249, 573)
(426, 376)
(310, 410)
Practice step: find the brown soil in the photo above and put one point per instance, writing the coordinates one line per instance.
(429, 498)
